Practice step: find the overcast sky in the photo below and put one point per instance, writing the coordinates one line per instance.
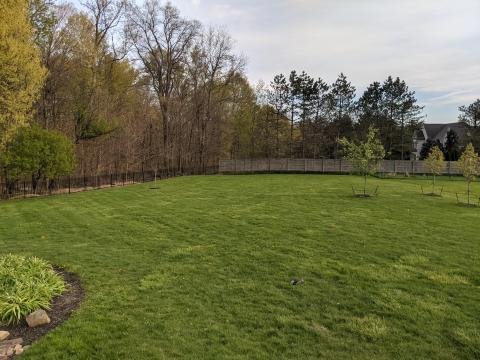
(434, 45)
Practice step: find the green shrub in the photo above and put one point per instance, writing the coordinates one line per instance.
(38, 153)
(26, 285)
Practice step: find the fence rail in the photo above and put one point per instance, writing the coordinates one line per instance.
(68, 184)
(407, 167)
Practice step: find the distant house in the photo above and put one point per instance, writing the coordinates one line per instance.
(437, 132)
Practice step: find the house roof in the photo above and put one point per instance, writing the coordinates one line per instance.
(433, 129)
(439, 131)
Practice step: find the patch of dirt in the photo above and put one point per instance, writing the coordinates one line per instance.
(433, 194)
(61, 308)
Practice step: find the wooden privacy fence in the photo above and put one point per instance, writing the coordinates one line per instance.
(334, 166)
(64, 185)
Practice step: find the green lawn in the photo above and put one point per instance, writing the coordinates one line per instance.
(200, 269)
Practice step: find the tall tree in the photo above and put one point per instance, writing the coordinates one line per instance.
(341, 107)
(470, 116)
(371, 112)
(294, 91)
(21, 73)
(278, 100)
(307, 92)
(319, 123)
(161, 40)
(401, 108)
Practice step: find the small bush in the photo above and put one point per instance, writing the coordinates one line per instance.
(26, 285)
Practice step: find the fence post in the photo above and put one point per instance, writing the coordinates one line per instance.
(69, 184)
(287, 165)
(84, 181)
(24, 189)
(341, 166)
(133, 177)
(394, 166)
(304, 165)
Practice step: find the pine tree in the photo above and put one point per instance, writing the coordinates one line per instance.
(451, 146)
(21, 74)
(470, 116)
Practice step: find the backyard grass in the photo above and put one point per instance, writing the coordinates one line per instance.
(200, 268)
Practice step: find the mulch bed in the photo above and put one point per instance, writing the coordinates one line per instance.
(61, 309)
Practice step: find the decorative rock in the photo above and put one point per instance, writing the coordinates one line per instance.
(18, 350)
(4, 335)
(9, 347)
(38, 318)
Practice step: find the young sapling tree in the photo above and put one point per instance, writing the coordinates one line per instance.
(469, 163)
(434, 164)
(365, 156)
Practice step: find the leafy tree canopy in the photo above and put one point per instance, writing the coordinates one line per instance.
(39, 153)
(21, 74)
(365, 156)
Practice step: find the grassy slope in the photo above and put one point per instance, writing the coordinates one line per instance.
(200, 269)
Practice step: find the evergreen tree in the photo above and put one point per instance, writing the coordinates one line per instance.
(451, 148)
(370, 109)
(307, 92)
(470, 116)
(294, 91)
(341, 107)
(278, 99)
(427, 148)
(402, 111)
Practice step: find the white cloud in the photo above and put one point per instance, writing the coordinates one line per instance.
(432, 44)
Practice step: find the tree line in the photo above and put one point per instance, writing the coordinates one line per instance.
(118, 85)
(302, 116)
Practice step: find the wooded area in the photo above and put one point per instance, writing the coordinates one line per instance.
(138, 86)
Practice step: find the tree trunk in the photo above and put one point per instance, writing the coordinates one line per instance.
(468, 193)
(365, 185)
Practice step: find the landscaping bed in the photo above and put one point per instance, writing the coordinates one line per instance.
(62, 307)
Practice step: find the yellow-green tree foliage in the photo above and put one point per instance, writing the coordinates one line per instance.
(365, 156)
(434, 163)
(469, 162)
(21, 73)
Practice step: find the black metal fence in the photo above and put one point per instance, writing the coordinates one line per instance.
(24, 188)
